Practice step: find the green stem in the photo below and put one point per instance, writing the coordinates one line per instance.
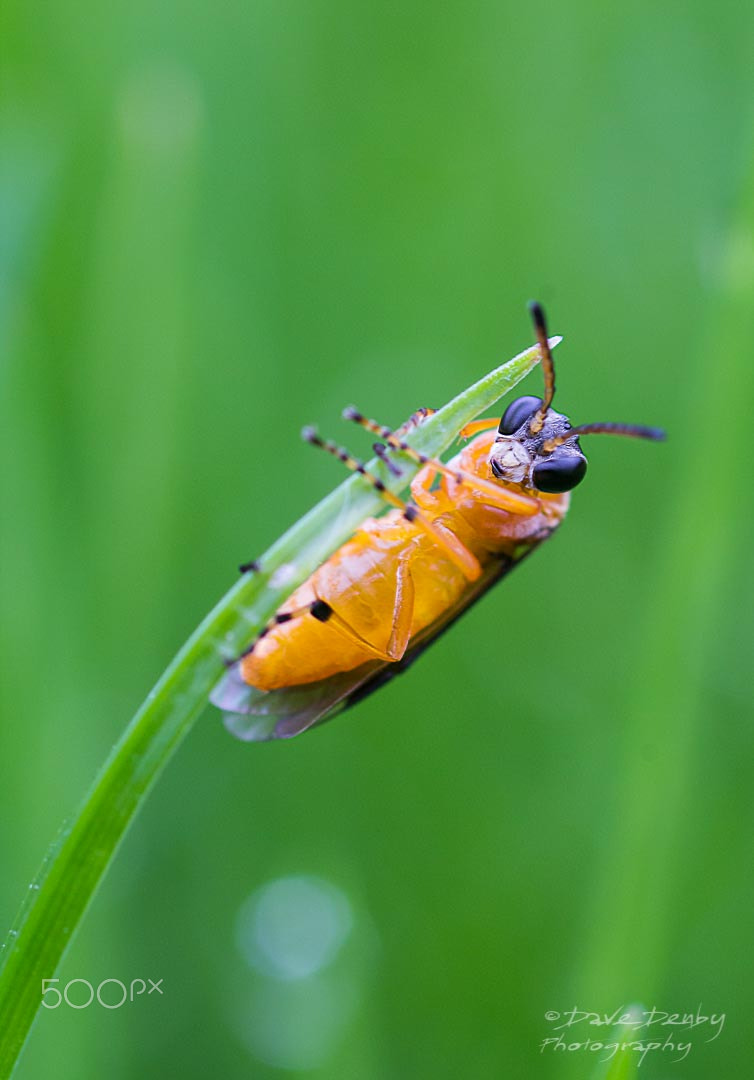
(57, 900)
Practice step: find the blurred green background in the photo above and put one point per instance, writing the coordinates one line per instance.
(222, 222)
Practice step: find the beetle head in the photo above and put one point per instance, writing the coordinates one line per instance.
(535, 446)
(518, 456)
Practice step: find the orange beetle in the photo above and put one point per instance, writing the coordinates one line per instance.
(367, 612)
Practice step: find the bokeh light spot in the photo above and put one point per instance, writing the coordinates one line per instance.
(293, 927)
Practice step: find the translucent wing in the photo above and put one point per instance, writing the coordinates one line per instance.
(257, 715)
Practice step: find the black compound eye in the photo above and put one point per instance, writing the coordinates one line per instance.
(517, 413)
(559, 473)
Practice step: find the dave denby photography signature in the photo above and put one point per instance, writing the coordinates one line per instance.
(640, 1031)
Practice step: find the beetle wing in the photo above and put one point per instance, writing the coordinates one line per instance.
(258, 715)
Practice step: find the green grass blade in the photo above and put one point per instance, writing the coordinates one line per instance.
(68, 879)
(623, 1063)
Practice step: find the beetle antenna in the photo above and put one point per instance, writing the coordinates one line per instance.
(538, 318)
(633, 431)
(381, 451)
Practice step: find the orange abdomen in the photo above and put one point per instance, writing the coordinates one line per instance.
(358, 583)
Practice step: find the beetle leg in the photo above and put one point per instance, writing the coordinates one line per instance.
(477, 426)
(457, 552)
(381, 451)
(250, 567)
(495, 494)
(403, 615)
(421, 486)
(403, 610)
(414, 420)
(432, 501)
